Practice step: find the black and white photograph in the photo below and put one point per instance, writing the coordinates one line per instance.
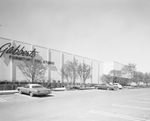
(74, 60)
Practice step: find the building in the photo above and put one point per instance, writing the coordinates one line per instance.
(13, 52)
(108, 66)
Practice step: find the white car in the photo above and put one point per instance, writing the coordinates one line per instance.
(34, 89)
(118, 85)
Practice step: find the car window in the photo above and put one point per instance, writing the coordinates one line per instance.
(37, 86)
(26, 86)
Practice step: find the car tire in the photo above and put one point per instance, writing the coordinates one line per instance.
(31, 94)
(20, 92)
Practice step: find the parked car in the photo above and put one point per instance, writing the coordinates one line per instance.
(107, 87)
(118, 85)
(86, 87)
(34, 89)
(59, 89)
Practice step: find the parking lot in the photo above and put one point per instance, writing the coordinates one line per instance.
(80, 105)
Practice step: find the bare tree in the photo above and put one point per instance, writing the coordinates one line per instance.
(73, 70)
(84, 72)
(74, 67)
(129, 70)
(33, 70)
(147, 78)
(66, 72)
(69, 71)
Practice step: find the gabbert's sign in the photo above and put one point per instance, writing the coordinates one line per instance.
(9, 49)
(19, 53)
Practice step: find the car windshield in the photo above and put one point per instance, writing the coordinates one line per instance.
(37, 86)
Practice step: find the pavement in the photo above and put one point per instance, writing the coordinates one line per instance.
(87, 105)
(3, 92)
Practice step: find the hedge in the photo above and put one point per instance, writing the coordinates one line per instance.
(12, 85)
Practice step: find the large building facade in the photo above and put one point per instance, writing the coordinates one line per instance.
(13, 52)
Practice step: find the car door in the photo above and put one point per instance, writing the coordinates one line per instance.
(104, 86)
(26, 89)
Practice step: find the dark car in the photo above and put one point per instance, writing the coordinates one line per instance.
(107, 87)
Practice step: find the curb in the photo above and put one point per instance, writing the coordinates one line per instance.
(8, 92)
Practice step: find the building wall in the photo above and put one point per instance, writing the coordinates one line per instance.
(9, 70)
(5, 64)
(108, 66)
(118, 66)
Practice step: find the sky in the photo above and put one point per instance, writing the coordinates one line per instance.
(104, 30)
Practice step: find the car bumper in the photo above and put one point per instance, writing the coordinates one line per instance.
(42, 93)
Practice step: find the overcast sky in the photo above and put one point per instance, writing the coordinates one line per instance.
(105, 30)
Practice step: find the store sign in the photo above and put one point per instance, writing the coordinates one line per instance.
(9, 49)
(19, 53)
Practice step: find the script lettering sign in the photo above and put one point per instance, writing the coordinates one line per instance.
(9, 49)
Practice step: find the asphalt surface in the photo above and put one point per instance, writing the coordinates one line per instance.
(83, 105)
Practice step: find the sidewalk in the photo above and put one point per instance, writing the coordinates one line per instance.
(4, 92)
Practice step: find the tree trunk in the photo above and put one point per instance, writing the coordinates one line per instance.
(33, 77)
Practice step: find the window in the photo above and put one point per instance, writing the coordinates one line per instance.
(37, 86)
(26, 86)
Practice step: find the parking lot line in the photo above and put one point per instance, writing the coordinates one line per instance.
(146, 102)
(134, 107)
(2, 100)
(117, 116)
